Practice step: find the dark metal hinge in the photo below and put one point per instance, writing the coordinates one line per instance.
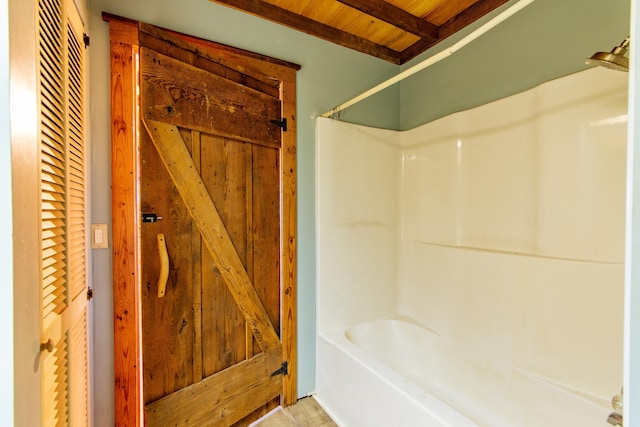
(282, 123)
(283, 370)
(89, 294)
(86, 39)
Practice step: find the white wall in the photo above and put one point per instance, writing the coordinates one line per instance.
(511, 228)
(6, 228)
(26, 207)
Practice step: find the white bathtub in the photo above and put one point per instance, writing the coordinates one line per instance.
(393, 372)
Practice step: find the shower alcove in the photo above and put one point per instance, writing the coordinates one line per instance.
(500, 231)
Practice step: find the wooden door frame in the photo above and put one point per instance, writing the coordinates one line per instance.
(125, 170)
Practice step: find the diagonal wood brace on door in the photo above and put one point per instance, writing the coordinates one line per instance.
(177, 159)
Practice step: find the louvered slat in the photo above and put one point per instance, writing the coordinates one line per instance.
(76, 160)
(52, 146)
(56, 406)
(53, 202)
(52, 149)
(49, 212)
(49, 168)
(76, 228)
(78, 364)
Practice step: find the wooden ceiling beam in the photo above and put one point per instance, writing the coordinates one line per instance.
(397, 17)
(461, 20)
(306, 25)
(416, 49)
(468, 16)
(428, 33)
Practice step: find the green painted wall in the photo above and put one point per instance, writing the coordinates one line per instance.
(546, 40)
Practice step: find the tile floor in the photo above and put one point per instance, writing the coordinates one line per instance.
(306, 413)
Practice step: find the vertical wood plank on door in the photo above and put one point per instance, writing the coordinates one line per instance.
(197, 275)
(266, 231)
(223, 170)
(251, 346)
(264, 234)
(219, 351)
(127, 352)
(167, 322)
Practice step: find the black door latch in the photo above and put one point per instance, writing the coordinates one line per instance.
(150, 217)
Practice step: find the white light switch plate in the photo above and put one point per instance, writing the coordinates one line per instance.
(99, 236)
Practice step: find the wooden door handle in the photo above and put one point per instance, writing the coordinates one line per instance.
(164, 265)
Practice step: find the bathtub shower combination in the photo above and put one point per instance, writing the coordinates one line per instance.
(470, 271)
(392, 372)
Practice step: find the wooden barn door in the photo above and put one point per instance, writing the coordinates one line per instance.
(210, 170)
(211, 237)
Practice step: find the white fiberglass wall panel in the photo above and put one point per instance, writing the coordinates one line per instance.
(357, 171)
(512, 219)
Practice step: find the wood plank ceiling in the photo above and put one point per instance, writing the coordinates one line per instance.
(393, 30)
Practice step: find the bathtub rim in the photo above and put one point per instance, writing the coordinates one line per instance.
(593, 399)
(439, 409)
(418, 396)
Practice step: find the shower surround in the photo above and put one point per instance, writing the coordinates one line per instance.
(498, 229)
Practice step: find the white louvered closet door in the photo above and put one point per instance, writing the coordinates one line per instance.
(64, 359)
